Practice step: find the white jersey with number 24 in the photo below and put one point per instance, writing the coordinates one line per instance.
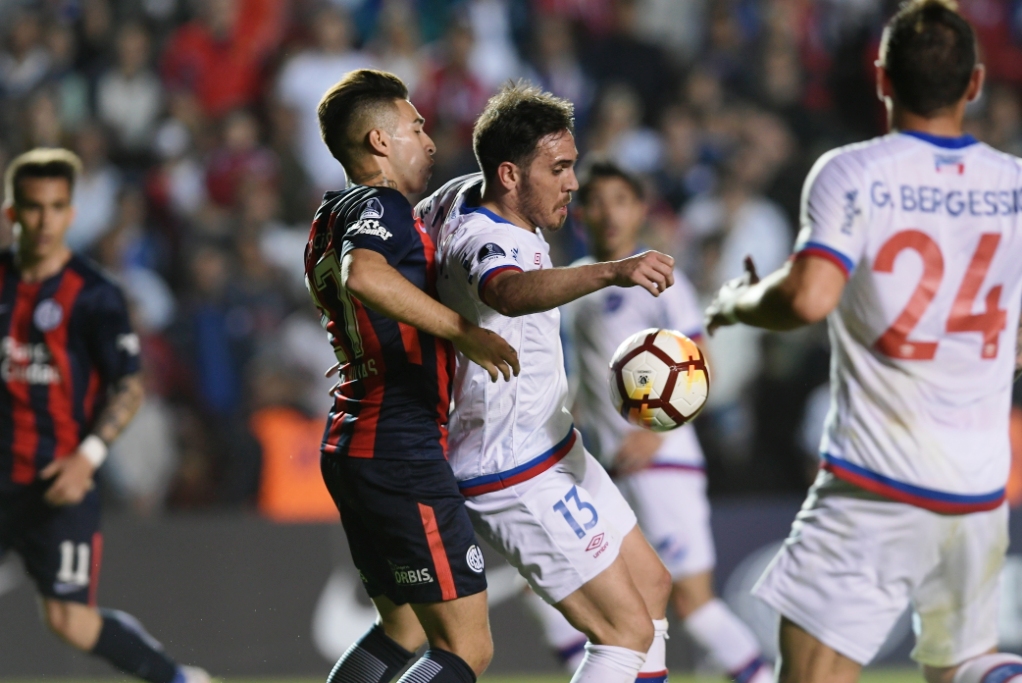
(929, 232)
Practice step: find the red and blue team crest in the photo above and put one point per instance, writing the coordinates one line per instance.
(949, 163)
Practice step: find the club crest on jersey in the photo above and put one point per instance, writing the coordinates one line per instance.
(370, 227)
(48, 315)
(474, 558)
(490, 250)
(373, 210)
(949, 163)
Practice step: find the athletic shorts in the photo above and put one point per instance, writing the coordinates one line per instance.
(854, 561)
(559, 529)
(674, 515)
(60, 546)
(408, 531)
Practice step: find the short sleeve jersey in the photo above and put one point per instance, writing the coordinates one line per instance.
(394, 394)
(63, 342)
(594, 326)
(929, 232)
(500, 431)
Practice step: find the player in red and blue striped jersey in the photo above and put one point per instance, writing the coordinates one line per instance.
(370, 269)
(69, 384)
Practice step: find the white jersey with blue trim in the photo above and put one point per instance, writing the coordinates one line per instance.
(594, 326)
(505, 432)
(929, 231)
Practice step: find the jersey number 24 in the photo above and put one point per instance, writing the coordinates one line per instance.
(894, 342)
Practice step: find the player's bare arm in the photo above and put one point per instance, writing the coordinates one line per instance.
(513, 293)
(72, 476)
(367, 275)
(803, 291)
(1018, 352)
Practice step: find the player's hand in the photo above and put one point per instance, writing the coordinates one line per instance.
(721, 312)
(71, 479)
(650, 270)
(636, 451)
(488, 350)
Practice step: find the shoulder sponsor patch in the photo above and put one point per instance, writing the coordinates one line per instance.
(370, 227)
(373, 210)
(490, 250)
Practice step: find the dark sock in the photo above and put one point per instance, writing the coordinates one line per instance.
(125, 644)
(376, 658)
(439, 666)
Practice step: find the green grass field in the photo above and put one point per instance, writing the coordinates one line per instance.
(870, 676)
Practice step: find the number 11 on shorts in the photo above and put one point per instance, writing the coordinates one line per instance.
(579, 529)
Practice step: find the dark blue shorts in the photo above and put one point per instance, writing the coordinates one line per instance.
(61, 547)
(408, 530)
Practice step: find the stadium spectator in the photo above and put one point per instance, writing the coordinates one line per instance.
(556, 68)
(624, 56)
(96, 191)
(219, 57)
(308, 75)
(129, 95)
(25, 61)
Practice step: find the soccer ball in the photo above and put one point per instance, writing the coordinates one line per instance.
(659, 379)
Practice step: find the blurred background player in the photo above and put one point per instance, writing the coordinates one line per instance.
(371, 272)
(532, 490)
(662, 476)
(69, 384)
(912, 244)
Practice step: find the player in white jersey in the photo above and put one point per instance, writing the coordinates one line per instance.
(532, 490)
(911, 245)
(662, 476)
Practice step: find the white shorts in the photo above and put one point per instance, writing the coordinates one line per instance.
(855, 561)
(674, 515)
(559, 529)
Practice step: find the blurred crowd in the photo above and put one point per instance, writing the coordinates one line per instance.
(196, 123)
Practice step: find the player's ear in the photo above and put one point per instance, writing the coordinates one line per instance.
(379, 142)
(9, 212)
(509, 175)
(885, 90)
(976, 81)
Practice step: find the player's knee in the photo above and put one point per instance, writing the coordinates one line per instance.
(62, 619)
(633, 631)
(661, 585)
(476, 654)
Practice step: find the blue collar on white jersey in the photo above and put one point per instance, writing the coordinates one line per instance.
(941, 141)
(486, 212)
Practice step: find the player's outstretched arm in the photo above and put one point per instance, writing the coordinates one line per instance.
(72, 476)
(366, 274)
(514, 293)
(801, 292)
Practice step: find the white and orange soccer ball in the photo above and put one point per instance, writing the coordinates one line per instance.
(659, 379)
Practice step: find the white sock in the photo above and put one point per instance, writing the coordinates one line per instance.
(654, 669)
(729, 642)
(999, 667)
(609, 664)
(567, 643)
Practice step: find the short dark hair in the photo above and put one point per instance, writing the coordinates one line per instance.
(353, 107)
(513, 123)
(929, 52)
(41, 162)
(602, 168)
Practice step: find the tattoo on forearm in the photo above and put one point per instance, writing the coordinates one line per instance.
(125, 399)
(377, 179)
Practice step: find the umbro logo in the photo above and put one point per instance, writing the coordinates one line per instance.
(595, 543)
